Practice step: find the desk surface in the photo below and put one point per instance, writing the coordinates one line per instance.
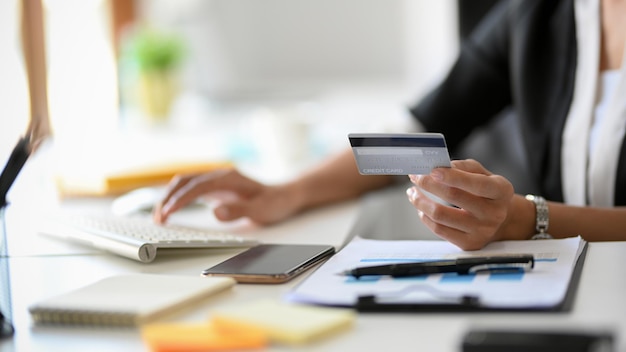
(41, 267)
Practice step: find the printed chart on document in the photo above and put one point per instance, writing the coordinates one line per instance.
(544, 286)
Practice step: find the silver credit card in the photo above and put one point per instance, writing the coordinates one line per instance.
(399, 153)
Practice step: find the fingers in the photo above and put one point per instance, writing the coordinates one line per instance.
(470, 165)
(471, 176)
(464, 183)
(160, 212)
(239, 197)
(185, 189)
(461, 239)
(482, 200)
(183, 193)
(238, 209)
(456, 225)
(270, 205)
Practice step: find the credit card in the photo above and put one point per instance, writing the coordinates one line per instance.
(399, 153)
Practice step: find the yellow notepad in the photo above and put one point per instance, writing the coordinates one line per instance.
(94, 182)
(126, 300)
(285, 322)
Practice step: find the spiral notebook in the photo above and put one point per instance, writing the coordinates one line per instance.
(127, 300)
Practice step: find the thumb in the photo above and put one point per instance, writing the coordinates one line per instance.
(229, 212)
(237, 210)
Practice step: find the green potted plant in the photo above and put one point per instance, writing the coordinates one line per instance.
(157, 57)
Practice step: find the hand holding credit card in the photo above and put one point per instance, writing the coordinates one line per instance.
(399, 153)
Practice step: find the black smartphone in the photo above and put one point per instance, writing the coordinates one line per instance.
(271, 263)
(536, 341)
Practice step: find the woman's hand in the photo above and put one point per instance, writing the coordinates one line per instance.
(246, 198)
(483, 205)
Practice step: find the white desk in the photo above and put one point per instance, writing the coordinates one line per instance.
(41, 267)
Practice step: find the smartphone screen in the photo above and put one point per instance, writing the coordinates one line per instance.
(271, 263)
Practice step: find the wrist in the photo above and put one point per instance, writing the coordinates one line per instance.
(520, 221)
(296, 197)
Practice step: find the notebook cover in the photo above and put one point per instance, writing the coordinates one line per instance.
(126, 300)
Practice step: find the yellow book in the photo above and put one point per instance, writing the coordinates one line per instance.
(93, 182)
(287, 323)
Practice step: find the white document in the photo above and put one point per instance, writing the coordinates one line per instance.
(542, 287)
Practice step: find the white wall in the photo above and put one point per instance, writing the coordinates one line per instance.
(340, 65)
(300, 47)
(14, 96)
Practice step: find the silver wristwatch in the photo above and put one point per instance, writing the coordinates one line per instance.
(542, 219)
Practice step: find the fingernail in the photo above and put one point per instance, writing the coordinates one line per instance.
(166, 208)
(410, 192)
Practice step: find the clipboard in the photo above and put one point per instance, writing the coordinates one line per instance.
(549, 287)
(470, 303)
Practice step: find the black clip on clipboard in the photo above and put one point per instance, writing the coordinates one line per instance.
(393, 302)
(464, 303)
(371, 303)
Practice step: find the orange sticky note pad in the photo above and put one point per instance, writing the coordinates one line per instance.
(170, 337)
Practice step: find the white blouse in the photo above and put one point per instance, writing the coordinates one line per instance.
(595, 126)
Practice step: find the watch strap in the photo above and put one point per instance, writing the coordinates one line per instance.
(542, 217)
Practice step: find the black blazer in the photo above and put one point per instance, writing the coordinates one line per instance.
(523, 56)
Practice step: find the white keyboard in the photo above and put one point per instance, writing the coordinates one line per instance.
(139, 238)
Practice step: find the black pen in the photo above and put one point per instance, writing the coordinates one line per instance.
(467, 265)
(14, 165)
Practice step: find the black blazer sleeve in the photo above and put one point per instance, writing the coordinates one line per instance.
(477, 86)
(523, 56)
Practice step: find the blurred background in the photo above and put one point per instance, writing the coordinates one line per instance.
(277, 83)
